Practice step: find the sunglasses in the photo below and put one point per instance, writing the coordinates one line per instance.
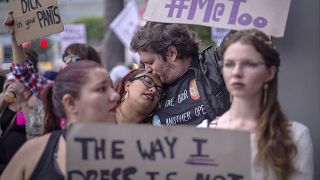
(148, 81)
(70, 58)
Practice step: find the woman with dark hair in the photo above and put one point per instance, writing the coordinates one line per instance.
(23, 68)
(281, 149)
(79, 51)
(82, 92)
(140, 94)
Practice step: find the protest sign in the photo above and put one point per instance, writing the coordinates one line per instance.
(125, 25)
(102, 151)
(269, 16)
(35, 18)
(73, 33)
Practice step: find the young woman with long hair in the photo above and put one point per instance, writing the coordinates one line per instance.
(280, 149)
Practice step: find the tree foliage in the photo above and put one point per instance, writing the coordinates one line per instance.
(204, 34)
(94, 26)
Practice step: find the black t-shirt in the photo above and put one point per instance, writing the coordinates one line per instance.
(181, 104)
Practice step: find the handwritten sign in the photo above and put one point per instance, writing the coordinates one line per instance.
(73, 33)
(102, 151)
(35, 18)
(269, 16)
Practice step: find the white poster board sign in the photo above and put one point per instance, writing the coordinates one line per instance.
(73, 33)
(35, 18)
(269, 16)
(102, 151)
(125, 25)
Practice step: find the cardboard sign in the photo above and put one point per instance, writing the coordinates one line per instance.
(269, 16)
(136, 152)
(35, 18)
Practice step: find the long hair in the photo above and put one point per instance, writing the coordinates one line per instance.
(69, 80)
(275, 144)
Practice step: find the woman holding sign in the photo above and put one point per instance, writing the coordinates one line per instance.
(23, 68)
(281, 149)
(81, 92)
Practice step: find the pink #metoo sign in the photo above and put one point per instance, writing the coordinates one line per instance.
(269, 16)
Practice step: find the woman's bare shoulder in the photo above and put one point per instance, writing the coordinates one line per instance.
(25, 160)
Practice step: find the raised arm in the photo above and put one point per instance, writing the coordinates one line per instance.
(17, 50)
(22, 68)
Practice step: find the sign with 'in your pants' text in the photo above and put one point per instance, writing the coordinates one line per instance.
(35, 18)
(140, 152)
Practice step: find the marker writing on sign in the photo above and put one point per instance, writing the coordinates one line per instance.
(28, 5)
(158, 147)
(153, 174)
(49, 16)
(116, 173)
(98, 146)
(199, 143)
(230, 176)
(30, 21)
(214, 11)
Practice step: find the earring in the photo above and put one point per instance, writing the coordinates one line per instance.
(151, 114)
(265, 93)
(125, 96)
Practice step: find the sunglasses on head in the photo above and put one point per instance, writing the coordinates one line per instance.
(70, 58)
(149, 82)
